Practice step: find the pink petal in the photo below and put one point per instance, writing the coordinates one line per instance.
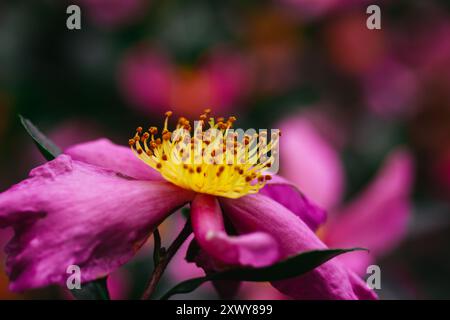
(71, 213)
(258, 213)
(103, 153)
(288, 195)
(253, 249)
(377, 219)
(310, 162)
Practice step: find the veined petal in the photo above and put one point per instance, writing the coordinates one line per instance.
(258, 213)
(254, 249)
(103, 153)
(378, 218)
(286, 193)
(71, 213)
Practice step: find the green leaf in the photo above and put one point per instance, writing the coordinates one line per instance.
(94, 290)
(48, 149)
(291, 267)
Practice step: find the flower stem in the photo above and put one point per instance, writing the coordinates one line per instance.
(164, 259)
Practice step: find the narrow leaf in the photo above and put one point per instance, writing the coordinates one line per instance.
(291, 267)
(48, 149)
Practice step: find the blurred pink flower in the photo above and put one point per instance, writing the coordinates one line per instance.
(145, 77)
(150, 81)
(376, 219)
(113, 13)
(353, 48)
(391, 89)
(229, 76)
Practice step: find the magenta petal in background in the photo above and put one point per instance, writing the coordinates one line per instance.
(311, 162)
(258, 213)
(145, 79)
(284, 192)
(103, 153)
(68, 212)
(230, 78)
(254, 249)
(377, 219)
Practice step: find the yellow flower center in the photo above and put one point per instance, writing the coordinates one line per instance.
(220, 161)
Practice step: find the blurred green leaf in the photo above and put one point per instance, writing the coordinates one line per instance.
(288, 268)
(94, 290)
(48, 149)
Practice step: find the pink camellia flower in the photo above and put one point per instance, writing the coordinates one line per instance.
(113, 13)
(149, 81)
(376, 219)
(95, 205)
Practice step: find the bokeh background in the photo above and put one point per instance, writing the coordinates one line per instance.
(347, 98)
